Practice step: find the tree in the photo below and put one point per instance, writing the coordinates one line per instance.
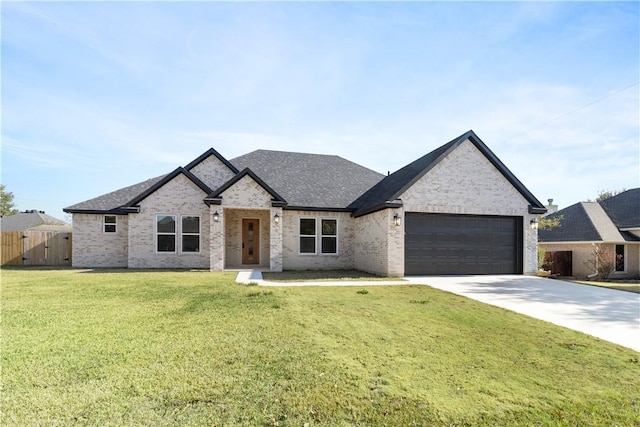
(606, 194)
(547, 223)
(601, 262)
(7, 207)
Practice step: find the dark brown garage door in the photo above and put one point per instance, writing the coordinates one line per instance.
(462, 244)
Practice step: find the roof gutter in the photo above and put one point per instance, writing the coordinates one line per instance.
(389, 204)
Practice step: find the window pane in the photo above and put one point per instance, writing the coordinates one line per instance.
(166, 224)
(109, 219)
(110, 228)
(619, 257)
(329, 245)
(308, 227)
(190, 224)
(329, 227)
(191, 243)
(166, 243)
(307, 245)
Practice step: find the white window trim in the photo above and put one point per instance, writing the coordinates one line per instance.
(199, 234)
(624, 259)
(175, 234)
(105, 223)
(337, 252)
(315, 237)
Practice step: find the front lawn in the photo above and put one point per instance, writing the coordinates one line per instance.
(83, 347)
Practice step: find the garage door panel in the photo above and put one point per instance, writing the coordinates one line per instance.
(462, 244)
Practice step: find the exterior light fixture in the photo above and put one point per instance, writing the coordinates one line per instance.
(276, 218)
(396, 219)
(534, 224)
(216, 216)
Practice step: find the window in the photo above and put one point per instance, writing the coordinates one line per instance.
(619, 257)
(109, 224)
(307, 236)
(166, 233)
(190, 234)
(329, 236)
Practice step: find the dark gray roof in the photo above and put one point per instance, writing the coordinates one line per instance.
(310, 180)
(391, 187)
(624, 208)
(575, 226)
(116, 199)
(622, 211)
(31, 219)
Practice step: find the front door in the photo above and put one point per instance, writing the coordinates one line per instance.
(250, 241)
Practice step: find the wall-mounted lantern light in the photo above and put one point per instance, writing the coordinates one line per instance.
(397, 220)
(276, 218)
(534, 224)
(216, 216)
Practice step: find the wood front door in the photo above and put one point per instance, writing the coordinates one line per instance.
(250, 241)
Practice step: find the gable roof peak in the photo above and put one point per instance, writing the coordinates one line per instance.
(216, 194)
(178, 171)
(394, 185)
(210, 152)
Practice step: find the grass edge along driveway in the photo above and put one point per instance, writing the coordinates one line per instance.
(82, 347)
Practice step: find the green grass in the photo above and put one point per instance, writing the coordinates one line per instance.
(621, 285)
(193, 348)
(324, 276)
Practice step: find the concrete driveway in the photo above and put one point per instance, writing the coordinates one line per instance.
(608, 314)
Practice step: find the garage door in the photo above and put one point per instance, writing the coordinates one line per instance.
(462, 244)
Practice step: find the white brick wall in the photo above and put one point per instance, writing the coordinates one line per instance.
(465, 182)
(93, 248)
(178, 197)
(212, 172)
(293, 260)
(379, 244)
(247, 194)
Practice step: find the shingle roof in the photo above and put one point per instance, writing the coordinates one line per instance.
(310, 180)
(30, 220)
(391, 187)
(575, 226)
(594, 222)
(114, 200)
(624, 208)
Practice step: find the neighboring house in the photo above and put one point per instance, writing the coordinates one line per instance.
(613, 224)
(32, 220)
(456, 210)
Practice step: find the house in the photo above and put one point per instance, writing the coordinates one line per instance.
(32, 220)
(456, 210)
(612, 224)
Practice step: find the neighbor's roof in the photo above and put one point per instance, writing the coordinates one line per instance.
(597, 222)
(624, 208)
(385, 193)
(32, 220)
(310, 180)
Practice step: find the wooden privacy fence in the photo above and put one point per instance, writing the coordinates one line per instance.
(36, 248)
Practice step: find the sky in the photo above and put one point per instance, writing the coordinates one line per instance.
(97, 96)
